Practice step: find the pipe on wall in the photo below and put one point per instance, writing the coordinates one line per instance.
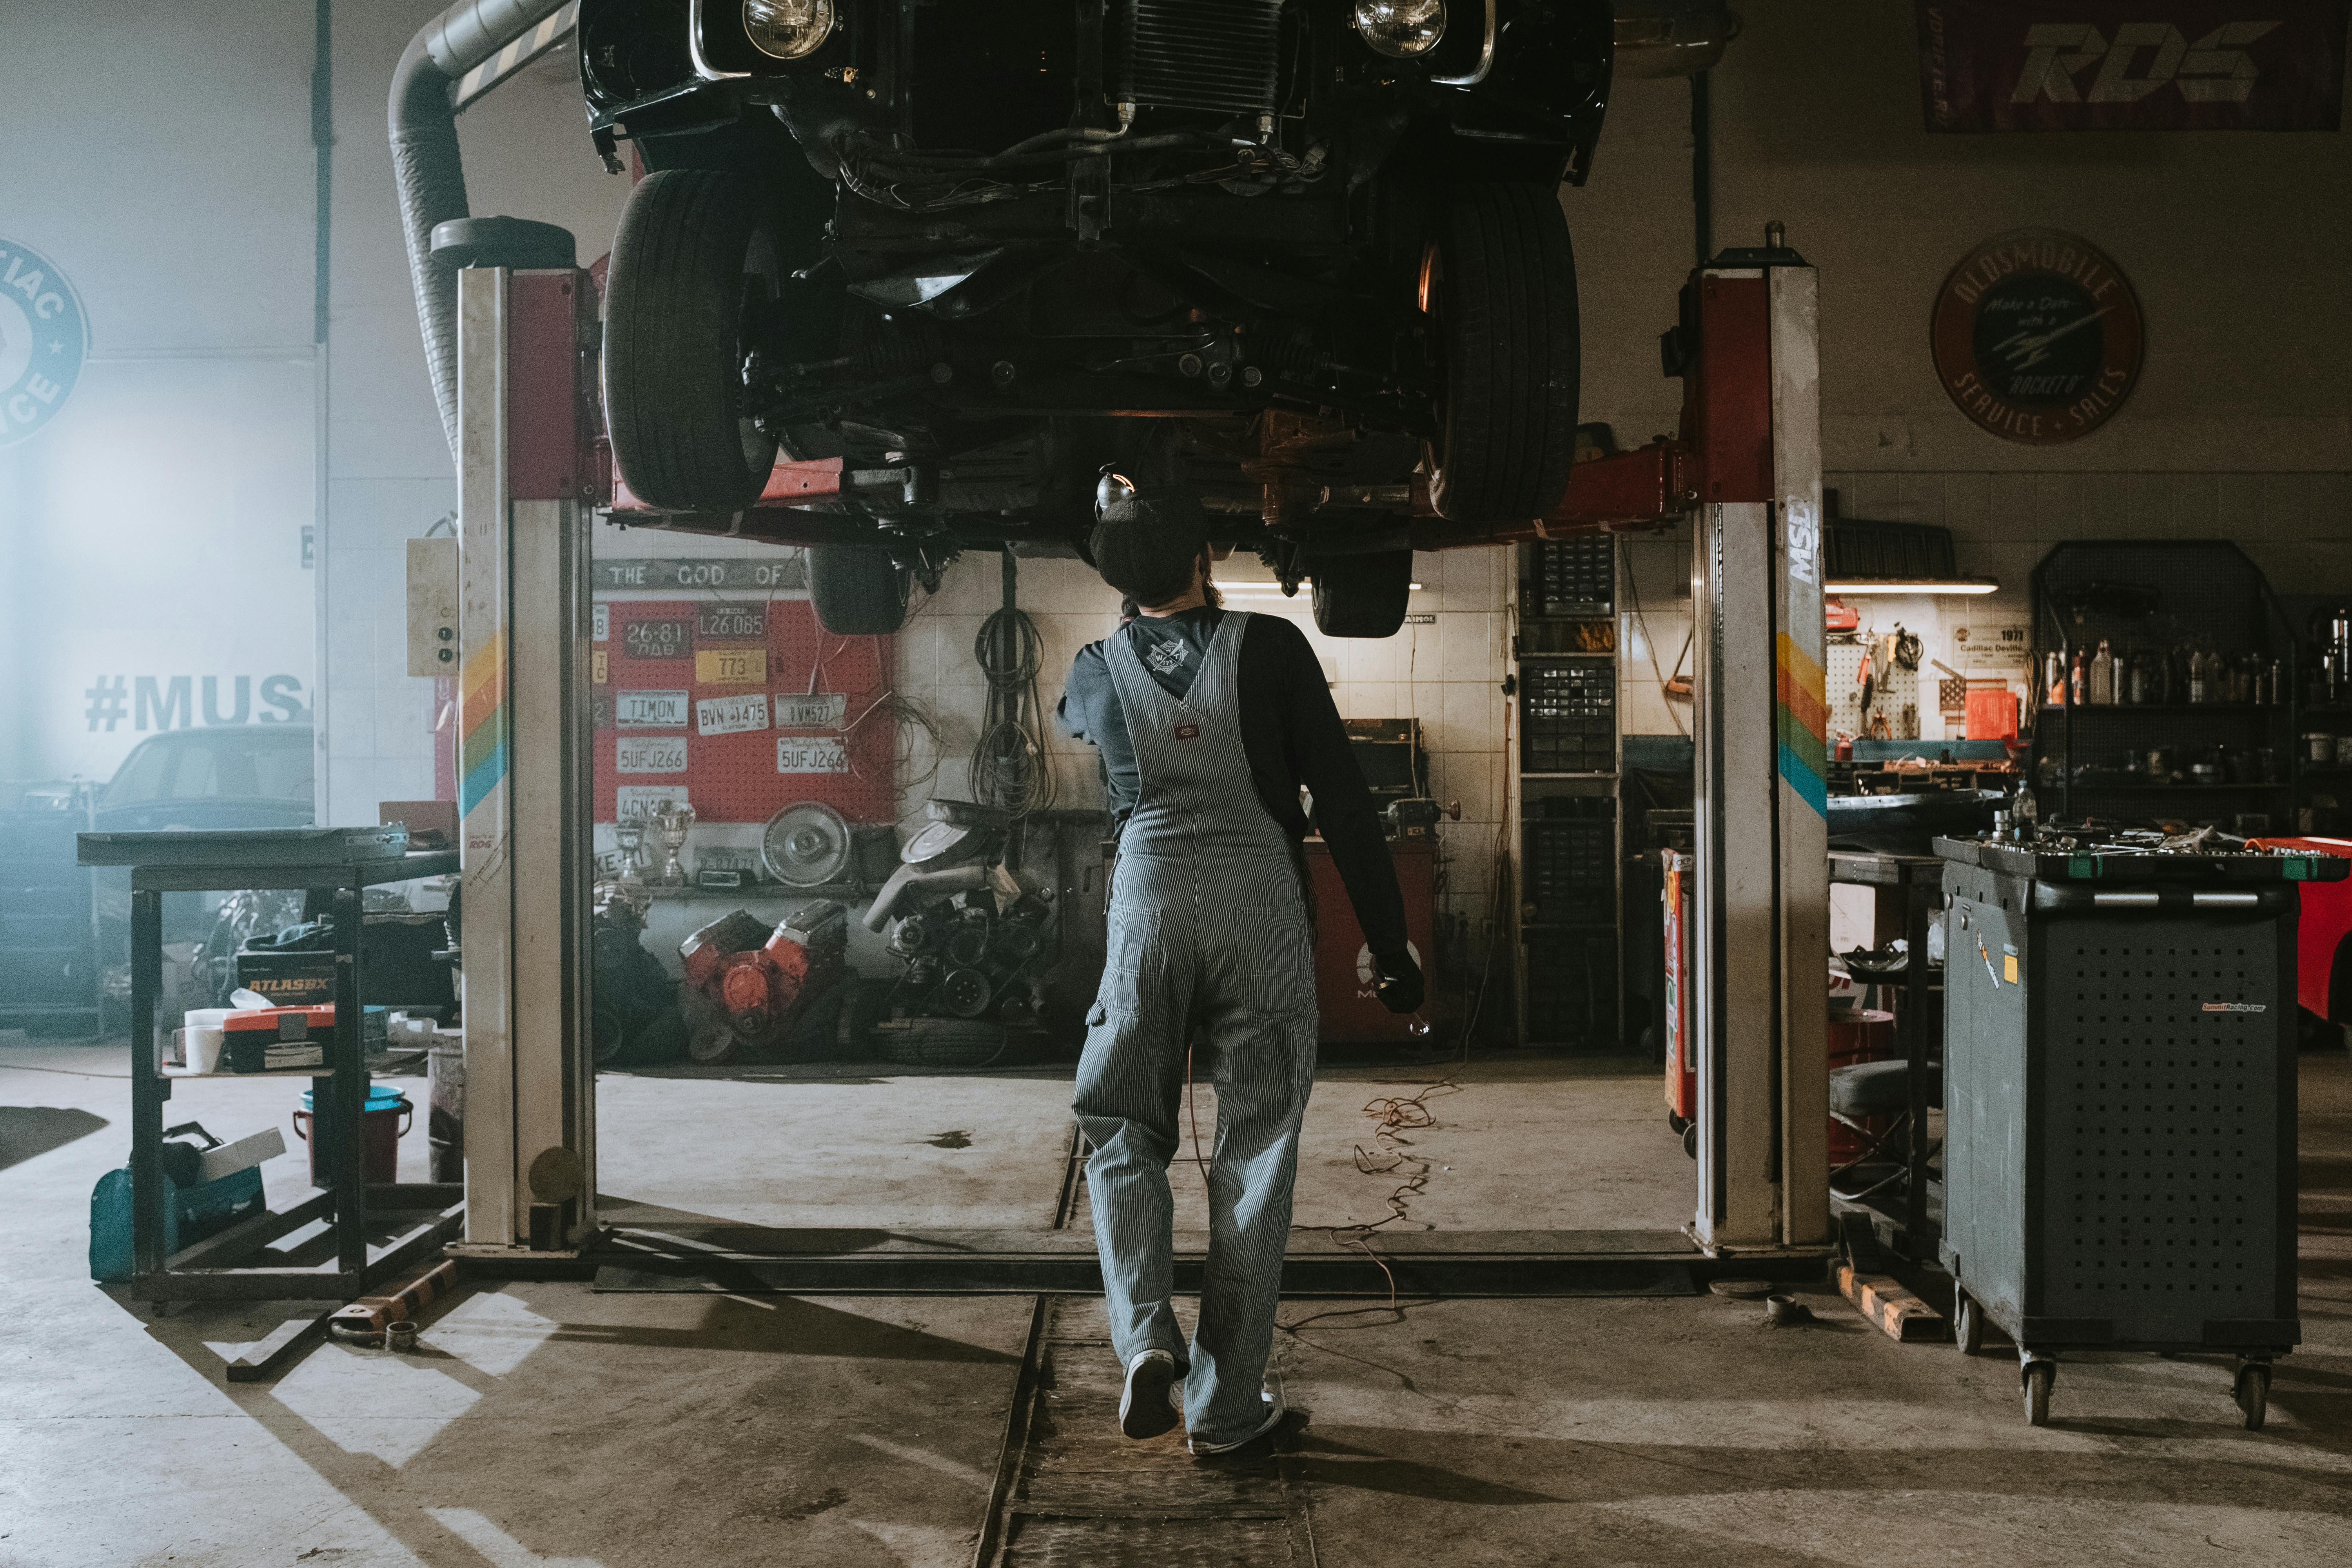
(429, 172)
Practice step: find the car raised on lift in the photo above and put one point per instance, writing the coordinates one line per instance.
(1304, 258)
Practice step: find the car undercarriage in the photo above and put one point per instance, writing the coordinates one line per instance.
(1022, 257)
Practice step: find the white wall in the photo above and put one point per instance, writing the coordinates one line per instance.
(152, 530)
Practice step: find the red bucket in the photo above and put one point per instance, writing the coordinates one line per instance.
(384, 1120)
(1858, 1034)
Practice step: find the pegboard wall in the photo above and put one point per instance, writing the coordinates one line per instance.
(746, 704)
(1890, 697)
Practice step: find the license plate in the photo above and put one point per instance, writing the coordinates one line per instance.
(821, 711)
(599, 666)
(748, 622)
(603, 617)
(650, 754)
(637, 802)
(654, 639)
(731, 666)
(649, 709)
(812, 755)
(731, 715)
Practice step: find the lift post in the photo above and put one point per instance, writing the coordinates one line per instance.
(526, 421)
(1747, 346)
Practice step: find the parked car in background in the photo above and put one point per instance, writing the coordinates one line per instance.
(1296, 256)
(64, 933)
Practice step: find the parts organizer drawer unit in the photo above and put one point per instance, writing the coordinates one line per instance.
(1571, 873)
(1574, 578)
(1568, 715)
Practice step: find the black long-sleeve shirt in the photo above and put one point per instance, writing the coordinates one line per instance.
(1291, 732)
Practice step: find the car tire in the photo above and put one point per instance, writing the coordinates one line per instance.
(1362, 596)
(693, 267)
(1500, 283)
(858, 589)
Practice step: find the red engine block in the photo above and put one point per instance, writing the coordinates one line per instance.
(751, 986)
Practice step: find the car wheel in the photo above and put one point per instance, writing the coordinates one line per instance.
(1499, 282)
(858, 589)
(693, 270)
(1362, 596)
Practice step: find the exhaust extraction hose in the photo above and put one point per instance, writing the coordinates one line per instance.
(428, 171)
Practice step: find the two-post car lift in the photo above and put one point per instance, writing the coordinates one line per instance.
(1746, 465)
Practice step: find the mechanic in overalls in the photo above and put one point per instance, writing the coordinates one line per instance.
(1208, 721)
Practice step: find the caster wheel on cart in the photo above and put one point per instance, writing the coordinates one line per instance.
(1677, 1121)
(1968, 1324)
(2254, 1394)
(2039, 1375)
(1690, 1140)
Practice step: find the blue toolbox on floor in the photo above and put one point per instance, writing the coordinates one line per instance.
(208, 1186)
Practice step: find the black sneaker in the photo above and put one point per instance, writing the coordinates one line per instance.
(1144, 1408)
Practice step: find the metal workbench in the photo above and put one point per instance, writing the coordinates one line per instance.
(207, 1270)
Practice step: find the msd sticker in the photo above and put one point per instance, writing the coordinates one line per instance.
(2236, 1008)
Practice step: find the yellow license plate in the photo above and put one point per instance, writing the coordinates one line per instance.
(731, 666)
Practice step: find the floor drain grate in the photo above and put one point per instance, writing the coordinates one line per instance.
(1071, 1492)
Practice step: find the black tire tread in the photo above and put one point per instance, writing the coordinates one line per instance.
(1362, 596)
(670, 379)
(1509, 316)
(857, 590)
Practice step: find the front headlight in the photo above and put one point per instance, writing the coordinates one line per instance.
(1401, 28)
(789, 29)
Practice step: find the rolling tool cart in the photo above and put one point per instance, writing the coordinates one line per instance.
(2120, 1101)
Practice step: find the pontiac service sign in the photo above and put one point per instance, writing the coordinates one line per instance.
(44, 338)
(2131, 65)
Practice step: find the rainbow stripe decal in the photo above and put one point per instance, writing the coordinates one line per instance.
(1802, 720)
(482, 723)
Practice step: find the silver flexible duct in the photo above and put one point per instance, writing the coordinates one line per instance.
(428, 171)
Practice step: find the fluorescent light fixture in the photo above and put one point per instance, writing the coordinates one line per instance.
(1928, 586)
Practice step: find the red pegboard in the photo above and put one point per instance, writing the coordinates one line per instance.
(735, 777)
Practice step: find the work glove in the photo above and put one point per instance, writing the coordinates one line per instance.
(1401, 988)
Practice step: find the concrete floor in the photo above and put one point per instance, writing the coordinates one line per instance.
(546, 1425)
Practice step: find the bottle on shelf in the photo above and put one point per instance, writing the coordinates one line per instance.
(2241, 680)
(2199, 676)
(2074, 681)
(2103, 677)
(2053, 678)
(2138, 682)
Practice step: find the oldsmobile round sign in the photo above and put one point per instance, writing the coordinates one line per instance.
(44, 338)
(2037, 336)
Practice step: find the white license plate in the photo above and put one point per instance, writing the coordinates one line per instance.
(819, 711)
(731, 715)
(637, 802)
(649, 709)
(812, 755)
(651, 754)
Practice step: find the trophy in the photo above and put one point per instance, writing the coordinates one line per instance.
(672, 821)
(629, 833)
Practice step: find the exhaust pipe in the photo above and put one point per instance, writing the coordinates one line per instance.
(428, 171)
